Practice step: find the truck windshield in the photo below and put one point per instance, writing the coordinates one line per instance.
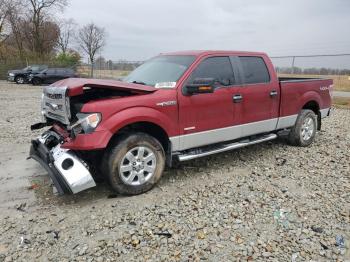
(160, 69)
(36, 68)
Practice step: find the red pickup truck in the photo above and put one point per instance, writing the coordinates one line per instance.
(174, 107)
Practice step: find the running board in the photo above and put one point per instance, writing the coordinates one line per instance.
(196, 153)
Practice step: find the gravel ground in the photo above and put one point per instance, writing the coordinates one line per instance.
(268, 202)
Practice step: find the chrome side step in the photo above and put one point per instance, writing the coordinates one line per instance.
(196, 153)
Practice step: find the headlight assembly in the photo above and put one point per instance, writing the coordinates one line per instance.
(86, 122)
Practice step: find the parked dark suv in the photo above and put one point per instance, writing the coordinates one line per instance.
(21, 76)
(51, 75)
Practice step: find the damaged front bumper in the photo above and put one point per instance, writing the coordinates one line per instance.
(67, 171)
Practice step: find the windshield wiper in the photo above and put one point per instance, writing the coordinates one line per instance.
(138, 82)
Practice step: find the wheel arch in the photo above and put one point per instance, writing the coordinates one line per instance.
(312, 100)
(314, 106)
(19, 75)
(147, 127)
(37, 78)
(143, 119)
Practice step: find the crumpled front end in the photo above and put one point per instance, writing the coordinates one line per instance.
(74, 136)
(68, 172)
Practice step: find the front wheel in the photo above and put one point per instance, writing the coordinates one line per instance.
(19, 80)
(135, 164)
(304, 131)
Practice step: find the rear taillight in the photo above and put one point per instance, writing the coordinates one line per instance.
(330, 90)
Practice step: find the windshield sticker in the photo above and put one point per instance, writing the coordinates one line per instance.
(165, 85)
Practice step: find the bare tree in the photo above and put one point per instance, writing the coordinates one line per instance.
(91, 39)
(4, 12)
(39, 9)
(16, 21)
(67, 34)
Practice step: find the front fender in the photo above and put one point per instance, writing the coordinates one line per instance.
(100, 138)
(139, 114)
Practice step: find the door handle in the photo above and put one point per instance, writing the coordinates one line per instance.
(273, 93)
(237, 98)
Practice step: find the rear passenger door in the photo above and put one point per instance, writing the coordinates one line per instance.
(50, 75)
(259, 103)
(60, 73)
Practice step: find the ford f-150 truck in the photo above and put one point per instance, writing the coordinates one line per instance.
(174, 107)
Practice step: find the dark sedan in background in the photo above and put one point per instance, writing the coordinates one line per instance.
(21, 76)
(51, 75)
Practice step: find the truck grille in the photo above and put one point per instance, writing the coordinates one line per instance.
(54, 96)
(55, 104)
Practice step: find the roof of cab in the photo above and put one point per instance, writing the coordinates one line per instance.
(213, 52)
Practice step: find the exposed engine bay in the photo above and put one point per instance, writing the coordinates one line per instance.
(93, 94)
(64, 109)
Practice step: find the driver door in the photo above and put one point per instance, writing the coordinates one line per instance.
(207, 118)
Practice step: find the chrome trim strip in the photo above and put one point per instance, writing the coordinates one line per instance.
(286, 121)
(167, 103)
(258, 127)
(203, 138)
(228, 147)
(189, 128)
(304, 80)
(324, 112)
(183, 142)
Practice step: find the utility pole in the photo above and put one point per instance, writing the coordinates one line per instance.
(293, 64)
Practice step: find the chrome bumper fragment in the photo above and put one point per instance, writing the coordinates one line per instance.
(325, 112)
(68, 173)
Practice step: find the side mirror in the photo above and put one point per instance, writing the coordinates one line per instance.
(200, 86)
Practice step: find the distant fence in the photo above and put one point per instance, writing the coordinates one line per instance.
(6, 66)
(332, 64)
(335, 66)
(108, 69)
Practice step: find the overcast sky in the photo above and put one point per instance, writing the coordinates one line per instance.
(139, 29)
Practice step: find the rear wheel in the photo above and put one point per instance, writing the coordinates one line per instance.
(19, 80)
(304, 131)
(135, 164)
(36, 81)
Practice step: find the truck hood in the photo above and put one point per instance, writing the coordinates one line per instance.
(76, 86)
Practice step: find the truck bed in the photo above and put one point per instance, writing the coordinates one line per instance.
(295, 92)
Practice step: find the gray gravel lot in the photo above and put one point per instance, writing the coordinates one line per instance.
(268, 202)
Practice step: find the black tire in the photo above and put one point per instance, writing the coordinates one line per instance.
(20, 80)
(117, 156)
(304, 131)
(36, 81)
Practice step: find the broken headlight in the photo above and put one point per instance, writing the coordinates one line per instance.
(86, 123)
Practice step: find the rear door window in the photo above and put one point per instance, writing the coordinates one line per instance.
(50, 71)
(69, 71)
(254, 69)
(218, 68)
(60, 71)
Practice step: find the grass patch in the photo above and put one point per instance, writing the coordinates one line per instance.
(341, 82)
(341, 102)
